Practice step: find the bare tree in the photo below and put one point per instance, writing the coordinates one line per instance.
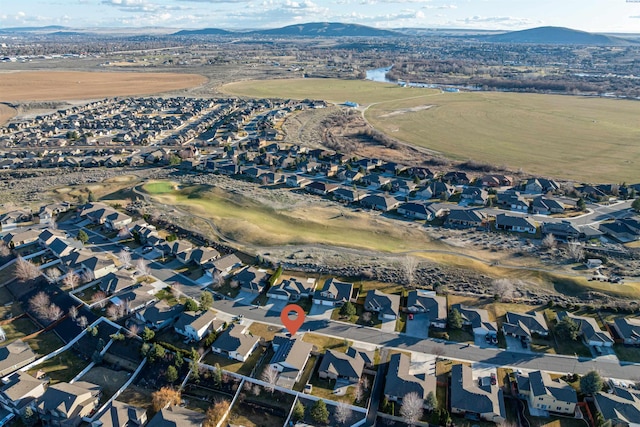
(133, 331)
(86, 277)
(216, 279)
(412, 408)
(342, 413)
(366, 316)
(39, 304)
(4, 249)
(142, 268)
(234, 284)
(71, 280)
(549, 242)
(73, 312)
(409, 266)
(25, 270)
(125, 258)
(503, 289)
(53, 274)
(82, 322)
(123, 232)
(54, 313)
(365, 383)
(270, 375)
(99, 298)
(575, 251)
(256, 390)
(359, 392)
(112, 312)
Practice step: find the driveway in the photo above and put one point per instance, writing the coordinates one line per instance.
(481, 341)
(514, 344)
(320, 312)
(419, 326)
(388, 325)
(274, 307)
(245, 298)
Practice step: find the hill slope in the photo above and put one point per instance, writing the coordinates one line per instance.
(327, 29)
(202, 32)
(556, 35)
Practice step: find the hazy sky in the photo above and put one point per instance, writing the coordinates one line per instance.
(588, 15)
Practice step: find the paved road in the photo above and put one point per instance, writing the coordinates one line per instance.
(491, 356)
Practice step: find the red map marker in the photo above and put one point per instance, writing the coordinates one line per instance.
(292, 324)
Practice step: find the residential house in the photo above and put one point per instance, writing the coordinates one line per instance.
(628, 329)
(292, 289)
(289, 359)
(203, 255)
(11, 220)
(512, 200)
(456, 177)
(18, 239)
(333, 293)
(386, 305)
(348, 365)
(563, 230)
(14, 356)
(119, 414)
(297, 181)
(427, 302)
(252, 280)
(546, 394)
(523, 326)
(465, 218)
(375, 180)
(420, 210)
(623, 230)
(477, 319)
(96, 266)
(400, 382)
(63, 248)
(590, 332)
(379, 202)
(471, 399)
(516, 224)
(235, 343)
(540, 185)
(545, 206)
(196, 326)
(47, 236)
(620, 408)
(496, 180)
(159, 315)
(66, 404)
(19, 390)
(474, 196)
(102, 214)
(436, 190)
(225, 265)
(48, 213)
(115, 282)
(135, 299)
(175, 416)
(402, 186)
(321, 188)
(350, 195)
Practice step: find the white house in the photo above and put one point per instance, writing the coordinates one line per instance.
(235, 343)
(197, 325)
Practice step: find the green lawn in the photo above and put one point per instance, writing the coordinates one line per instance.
(18, 329)
(306, 374)
(61, 368)
(159, 187)
(627, 353)
(358, 317)
(323, 343)
(45, 343)
(232, 365)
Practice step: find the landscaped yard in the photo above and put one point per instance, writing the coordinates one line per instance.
(61, 368)
(323, 343)
(45, 343)
(263, 330)
(251, 416)
(306, 374)
(108, 379)
(7, 274)
(19, 328)
(233, 365)
(137, 396)
(357, 318)
(627, 353)
(8, 306)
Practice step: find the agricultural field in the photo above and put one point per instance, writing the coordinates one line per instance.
(68, 85)
(567, 137)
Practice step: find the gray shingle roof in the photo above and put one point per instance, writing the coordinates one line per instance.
(399, 381)
(386, 304)
(541, 384)
(468, 396)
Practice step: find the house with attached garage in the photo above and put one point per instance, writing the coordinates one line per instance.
(620, 407)
(546, 394)
(427, 302)
(465, 218)
(333, 293)
(563, 230)
(196, 326)
(380, 202)
(348, 365)
(321, 188)
(349, 194)
(400, 382)
(628, 329)
(495, 180)
(292, 289)
(236, 342)
(474, 399)
(11, 220)
(474, 196)
(160, 315)
(516, 224)
(203, 255)
(65, 404)
(135, 299)
(590, 332)
(20, 390)
(18, 239)
(420, 210)
(252, 279)
(225, 265)
(545, 206)
(386, 305)
(477, 319)
(523, 326)
(119, 414)
(436, 190)
(289, 359)
(113, 283)
(623, 230)
(540, 185)
(14, 356)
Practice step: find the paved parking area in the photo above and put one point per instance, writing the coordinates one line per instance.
(320, 311)
(419, 326)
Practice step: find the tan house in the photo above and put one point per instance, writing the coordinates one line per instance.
(14, 356)
(66, 404)
(119, 414)
(19, 390)
(546, 394)
(471, 398)
(400, 382)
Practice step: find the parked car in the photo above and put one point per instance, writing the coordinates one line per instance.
(410, 316)
(494, 380)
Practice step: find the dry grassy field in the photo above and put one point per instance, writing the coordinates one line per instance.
(71, 85)
(570, 137)
(6, 113)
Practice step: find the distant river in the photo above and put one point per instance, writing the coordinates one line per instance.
(379, 74)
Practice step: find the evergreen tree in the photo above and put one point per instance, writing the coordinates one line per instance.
(319, 412)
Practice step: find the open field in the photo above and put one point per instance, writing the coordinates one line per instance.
(247, 221)
(570, 137)
(6, 113)
(66, 85)
(332, 90)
